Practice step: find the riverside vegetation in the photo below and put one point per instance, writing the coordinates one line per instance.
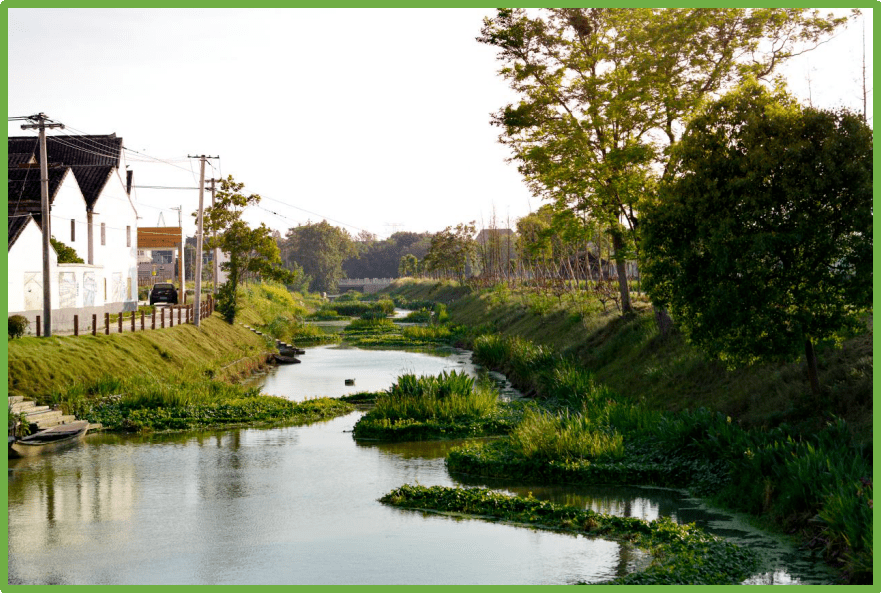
(178, 378)
(616, 403)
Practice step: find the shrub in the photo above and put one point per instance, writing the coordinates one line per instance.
(17, 326)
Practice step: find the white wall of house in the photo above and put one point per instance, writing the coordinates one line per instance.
(115, 231)
(70, 206)
(25, 271)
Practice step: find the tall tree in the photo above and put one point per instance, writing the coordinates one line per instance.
(761, 243)
(451, 251)
(603, 93)
(251, 251)
(320, 249)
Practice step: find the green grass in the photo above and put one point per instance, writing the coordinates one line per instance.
(449, 405)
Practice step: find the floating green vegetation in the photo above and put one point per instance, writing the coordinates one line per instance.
(147, 403)
(820, 483)
(449, 405)
(419, 316)
(682, 554)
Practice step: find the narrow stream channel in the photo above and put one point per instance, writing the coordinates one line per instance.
(298, 505)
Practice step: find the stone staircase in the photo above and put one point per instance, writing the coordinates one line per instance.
(39, 417)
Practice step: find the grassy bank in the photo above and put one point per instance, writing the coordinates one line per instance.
(176, 378)
(620, 404)
(682, 554)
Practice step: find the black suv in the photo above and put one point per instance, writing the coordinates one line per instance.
(163, 292)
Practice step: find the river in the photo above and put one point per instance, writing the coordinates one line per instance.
(298, 505)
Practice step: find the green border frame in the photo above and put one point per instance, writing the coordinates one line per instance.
(9, 4)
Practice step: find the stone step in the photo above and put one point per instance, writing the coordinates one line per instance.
(41, 413)
(27, 407)
(14, 399)
(54, 420)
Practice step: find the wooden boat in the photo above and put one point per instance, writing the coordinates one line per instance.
(52, 439)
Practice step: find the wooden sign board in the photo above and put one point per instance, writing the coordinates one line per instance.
(159, 237)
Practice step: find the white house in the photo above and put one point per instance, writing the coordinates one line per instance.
(92, 210)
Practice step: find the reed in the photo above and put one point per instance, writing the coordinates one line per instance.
(566, 436)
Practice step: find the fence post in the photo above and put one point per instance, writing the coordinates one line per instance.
(162, 317)
(39, 325)
(171, 318)
(133, 322)
(106, 324)
(119, 321)
(142, 320)
(76, 325)
(94, 324)
(178, 316)
(153, 323)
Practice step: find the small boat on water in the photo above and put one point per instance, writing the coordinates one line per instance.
(51, 439)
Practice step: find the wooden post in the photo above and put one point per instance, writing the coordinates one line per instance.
(94, 324)
(119, 321)
(153, 323)
(38, 326)
(106, 324)
(76, 325)
(162, 317)
(171, 318)
(178, 315)
(133, 322)
(142, 320)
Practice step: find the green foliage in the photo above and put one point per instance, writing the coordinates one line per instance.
(451, 251)
(763, 241)
(682, 554)
(146, 403)
(408, 265)
(17, 326)
(66, 254)
(382, 259)
(319, 249)
(565, 436)
(420, 316)
(449, 405)
(251, 251)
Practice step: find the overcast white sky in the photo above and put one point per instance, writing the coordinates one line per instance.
(374, 119)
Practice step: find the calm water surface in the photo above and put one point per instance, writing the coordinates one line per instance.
(298, 505)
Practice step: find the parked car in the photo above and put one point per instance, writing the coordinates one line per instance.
(163, 292)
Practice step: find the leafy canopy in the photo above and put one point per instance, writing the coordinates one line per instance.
(762, 241)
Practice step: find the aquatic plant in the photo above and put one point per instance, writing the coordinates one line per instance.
(682, 554)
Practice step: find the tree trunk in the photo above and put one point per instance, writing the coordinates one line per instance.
(811, 359)
(662, 318)
(621, 266)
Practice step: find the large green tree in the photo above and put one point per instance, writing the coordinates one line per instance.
(451, 251)
(604, 91)
(250, 251)
(320, 249)
(761, 242)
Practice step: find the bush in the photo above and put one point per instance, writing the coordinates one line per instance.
(17, 326)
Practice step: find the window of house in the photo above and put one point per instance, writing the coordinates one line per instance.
(128, 236)
(72, 230)
(103, 234)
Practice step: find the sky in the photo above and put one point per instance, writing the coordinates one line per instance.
(375, 120)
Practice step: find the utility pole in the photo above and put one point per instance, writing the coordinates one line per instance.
(180, 259)
(215, 266)
(198, 292)
(40, 124)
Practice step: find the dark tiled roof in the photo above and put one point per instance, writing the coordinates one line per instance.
(24, 189)
(16, 226)
(17, 158)
(73, 151)
(92, 180)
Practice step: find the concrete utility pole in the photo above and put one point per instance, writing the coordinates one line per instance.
(41, 125)
(198, 293)
(180, 258)
(215, 266)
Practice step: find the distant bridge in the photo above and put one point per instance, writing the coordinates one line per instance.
(365, 285)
